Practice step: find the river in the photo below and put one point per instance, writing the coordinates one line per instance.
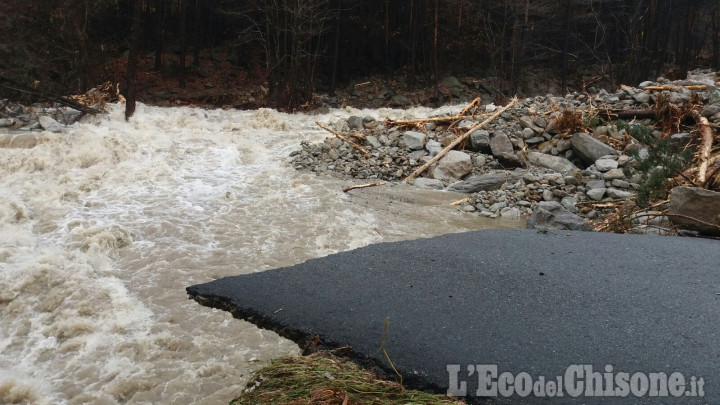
(104, 225)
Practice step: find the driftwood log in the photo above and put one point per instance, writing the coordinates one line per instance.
(342, 137)
(705, 147)
(382, 183)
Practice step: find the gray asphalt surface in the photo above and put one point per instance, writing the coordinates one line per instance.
(523, 300)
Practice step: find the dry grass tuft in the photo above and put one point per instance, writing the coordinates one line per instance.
(324, 379)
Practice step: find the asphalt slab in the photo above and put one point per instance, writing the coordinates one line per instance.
(580, 309)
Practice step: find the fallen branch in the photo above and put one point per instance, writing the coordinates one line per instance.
(694, 220)
(459, 202)
(459, 140)
(12, 85)
(704, 153)
(474, 104)
(349, 142)
(345, 190)
(461, 115)
(416, 121)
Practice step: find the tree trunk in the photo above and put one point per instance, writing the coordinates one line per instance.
(183, 40)
(563, 80)
(716, 37)
(159, 34)
(197, 37)
(336, 56)
(132, 60)
(435, 43)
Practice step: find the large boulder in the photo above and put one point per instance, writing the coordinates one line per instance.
(697, 203)
(590, 149)
(49, 124)
(453, 166)
(557, 163)
(552, 215)
(480, 140)
(502, 148)
(500, 144)
(414, 140)
(485, 182)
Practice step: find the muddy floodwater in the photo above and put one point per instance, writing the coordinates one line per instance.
(104, 225)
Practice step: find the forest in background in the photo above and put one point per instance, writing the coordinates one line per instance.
(299, 47)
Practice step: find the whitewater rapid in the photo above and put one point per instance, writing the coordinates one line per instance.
(103, 226)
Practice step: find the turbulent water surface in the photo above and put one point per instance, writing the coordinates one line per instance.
(103, 226)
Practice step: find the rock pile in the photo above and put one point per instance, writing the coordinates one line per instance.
(20, 125)
(562, 158)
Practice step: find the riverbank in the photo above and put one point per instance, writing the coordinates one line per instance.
(600, 160)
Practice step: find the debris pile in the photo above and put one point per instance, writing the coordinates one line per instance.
(599, 158)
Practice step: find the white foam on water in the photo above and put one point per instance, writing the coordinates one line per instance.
(103, 226)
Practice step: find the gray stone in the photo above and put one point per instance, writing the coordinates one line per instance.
(453, 166)
(416, 155)
(563, 145)
(623, 160)
(596, 194)
(569, 204)
(535, 140)
(551, 214)
(540, 122)
(548, 195)
(500, 144)
(373, 141)
(601, 130)
(589, 149)
(480, 140)
(621, 183)
(529, 178)
(643, 97)
(620, 194)
(479, 160)
(497, 206)
(502, 149)
(355, 122)
(6, 122)
(614, 174)
(414, 140)
(646, 84)
(341, 126)
(510, 213)
(701, 204)
(528, 133)
(485, 182)
(593, 184)
(433, 147)
(432, 184)
(31, 126)
(710, 110)
(605, 165)
(556, 163)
